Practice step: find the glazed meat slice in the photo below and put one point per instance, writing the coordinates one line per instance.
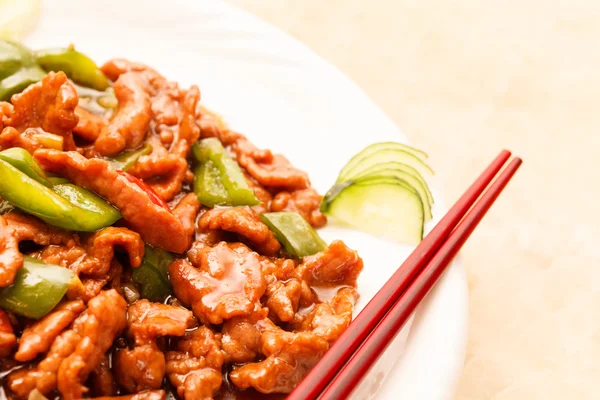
(306, 202)
(8, 340)
(129, 124)
(329, 320)
(48, 105)
(153, 221)
(227, 282)
(11, 259)
(143, 366)
(270, 170)
(15, 228)
(243, 221)
(75, 353)
(289, 357)
(94, 257)
(241, 337)
(39, 336)
(89, 125)
(173, 122)
(194, 368)
(336, 265)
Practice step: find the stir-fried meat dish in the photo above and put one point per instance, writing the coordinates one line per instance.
(147, 250)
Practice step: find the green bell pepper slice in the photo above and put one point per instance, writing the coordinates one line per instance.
(79, 67)
(24, 162)
(152, 276)
(18, 81)
(65, 206)
(13, 57)
(37, 288)
(208, 185)
(230, 174)
(295, 234)
(125, 160)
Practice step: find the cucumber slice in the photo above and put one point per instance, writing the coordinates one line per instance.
(360, 164)
(388, 208)
(383, 170)
(390, 176)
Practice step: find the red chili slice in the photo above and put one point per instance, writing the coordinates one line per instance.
(149, 191)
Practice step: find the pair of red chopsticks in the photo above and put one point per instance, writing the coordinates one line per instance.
(351, 357)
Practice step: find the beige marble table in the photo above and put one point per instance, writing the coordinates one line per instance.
(465, 79)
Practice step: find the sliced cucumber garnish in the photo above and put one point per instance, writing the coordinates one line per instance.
(375, 148)
(378, 170)
(391, 175)
(388, 208)
(382, 191)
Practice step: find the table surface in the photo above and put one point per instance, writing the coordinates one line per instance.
(464, 80)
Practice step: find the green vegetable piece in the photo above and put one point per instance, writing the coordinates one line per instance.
(79, 67)
(73, 209)
(14, 56)
(125, 160)
(24, 162)
(37, 288)
(57, 180)
(208, 186)
(18, 81)
(152, 276)
(87, 200)
(230, 174)
(385, 207)
(295, 233)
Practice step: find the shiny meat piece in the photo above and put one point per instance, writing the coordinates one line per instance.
(243, 221)
(44, 376)
(39, 336)
(306, 202)
(102, 380)
(50, 105)
(329, 320)
(131, 121)
(8, 340)
(27, 227)
(140, 368)
(143, 367)
(147, 395)
(156, 224)
(270, 170)
(103, 321)
(173, 113)
(290, 355)
(147, 320)
(241, 337)
(195, 367)
(89, 126)
(94, 258)
(11, 137)
(283, 299)
(336, 265)
(226, 283)
(165, 170)
(11, 259)
(186, 211)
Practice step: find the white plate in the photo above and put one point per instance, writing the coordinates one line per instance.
(278, 92)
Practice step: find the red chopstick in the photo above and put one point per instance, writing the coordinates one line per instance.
(365, 357)
(322, 374)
